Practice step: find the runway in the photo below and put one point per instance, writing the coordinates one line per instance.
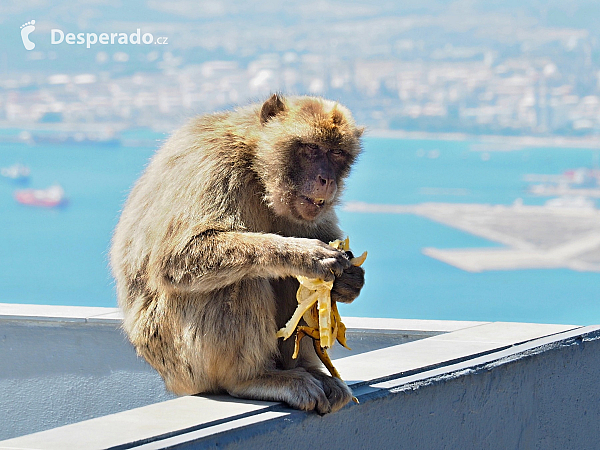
(535, 237)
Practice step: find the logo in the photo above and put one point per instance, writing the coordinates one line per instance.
(89, 39)
(26, 30)
(58, 36)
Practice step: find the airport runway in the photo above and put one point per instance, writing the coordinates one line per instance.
(535, 236)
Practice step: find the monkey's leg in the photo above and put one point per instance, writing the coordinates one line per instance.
(233, 348)
(337, 392)
(297, 387)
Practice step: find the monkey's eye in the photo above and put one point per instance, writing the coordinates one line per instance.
(336, 151)
(313, 147)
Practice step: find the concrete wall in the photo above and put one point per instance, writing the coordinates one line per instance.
(541, 398)
(457, 386)
(61, 365)
(54, 373)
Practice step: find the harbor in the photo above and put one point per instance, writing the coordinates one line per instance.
(533, 237)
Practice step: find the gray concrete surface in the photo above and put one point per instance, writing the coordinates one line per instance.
(421, 385)
(542, 395)
(62, 365)
(55, 373)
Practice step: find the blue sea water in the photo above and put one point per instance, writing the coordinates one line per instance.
(60, 256)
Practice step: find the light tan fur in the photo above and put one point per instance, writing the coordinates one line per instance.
(206, 251)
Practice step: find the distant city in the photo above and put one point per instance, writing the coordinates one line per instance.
(465, 67)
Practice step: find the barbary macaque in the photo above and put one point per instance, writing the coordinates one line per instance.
(228, 212)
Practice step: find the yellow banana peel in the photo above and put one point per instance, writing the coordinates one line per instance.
(323, 322)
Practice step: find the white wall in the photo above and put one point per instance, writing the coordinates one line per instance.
(55, 373)
(468, 385)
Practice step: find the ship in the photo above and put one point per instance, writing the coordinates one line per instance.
(51, 197)
(16, 172)
(76, 139)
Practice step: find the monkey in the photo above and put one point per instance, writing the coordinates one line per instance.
(210, 240)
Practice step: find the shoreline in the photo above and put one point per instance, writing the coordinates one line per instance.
(533, 237)
(490, 142)
(482, 143)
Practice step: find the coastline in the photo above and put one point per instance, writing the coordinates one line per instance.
(481, 142)
(533, 237)
(489, 142)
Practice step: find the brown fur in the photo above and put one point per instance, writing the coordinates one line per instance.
(212, 236)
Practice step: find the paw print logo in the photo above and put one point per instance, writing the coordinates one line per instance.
(26, 30)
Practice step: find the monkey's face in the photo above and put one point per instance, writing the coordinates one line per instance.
(314, 174)
(308, 147)
(308, 179)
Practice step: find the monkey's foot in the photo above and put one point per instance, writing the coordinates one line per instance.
(296, 387)
(338, 393)
(336, 390)
(324, 357)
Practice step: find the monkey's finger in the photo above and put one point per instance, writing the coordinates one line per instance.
(334, 267)
(353, 276)
(347, 287)
(346, 297)
(343, 285)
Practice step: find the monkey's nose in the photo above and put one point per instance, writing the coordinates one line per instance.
(324, 181)
(324, 187)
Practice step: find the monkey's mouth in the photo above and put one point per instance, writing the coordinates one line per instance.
(309, 207)
(320, 202)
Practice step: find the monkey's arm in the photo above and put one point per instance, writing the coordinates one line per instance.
(215, 259)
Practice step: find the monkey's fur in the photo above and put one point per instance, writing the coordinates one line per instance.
(227, 213)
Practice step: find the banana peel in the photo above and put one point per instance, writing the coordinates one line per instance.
(323, 322)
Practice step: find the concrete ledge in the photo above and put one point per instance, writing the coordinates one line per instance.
(59, 313)
(483, 385)
(64, 364)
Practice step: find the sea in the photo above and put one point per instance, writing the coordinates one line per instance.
(60, 256)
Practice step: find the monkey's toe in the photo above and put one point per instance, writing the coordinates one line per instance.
(309, 395)
(337, 392)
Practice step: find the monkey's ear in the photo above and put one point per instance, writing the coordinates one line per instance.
(337, 117)
(359, 132)
(271, 108)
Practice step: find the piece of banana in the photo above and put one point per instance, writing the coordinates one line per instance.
(310, 293)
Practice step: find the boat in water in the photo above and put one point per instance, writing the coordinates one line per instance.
(51, 197)
(76, 139)
(16, 172)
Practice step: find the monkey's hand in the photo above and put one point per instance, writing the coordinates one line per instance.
(347, 286)
(319, 260)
